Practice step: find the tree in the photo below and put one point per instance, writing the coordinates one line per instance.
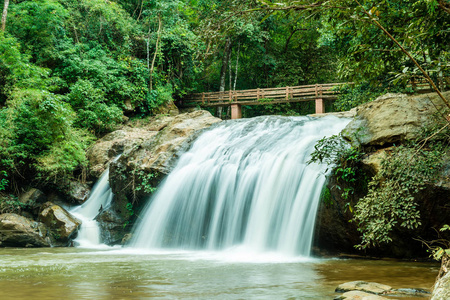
(4, 14)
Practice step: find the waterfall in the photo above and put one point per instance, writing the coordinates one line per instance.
(242, 183)
(100, 197)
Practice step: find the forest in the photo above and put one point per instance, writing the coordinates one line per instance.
(72, 71)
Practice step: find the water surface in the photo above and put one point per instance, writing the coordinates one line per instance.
(71, 273)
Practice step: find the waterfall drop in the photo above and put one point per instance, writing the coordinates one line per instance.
(101, 197)
(242, 183)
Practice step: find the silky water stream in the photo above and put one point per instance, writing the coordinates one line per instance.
(234, 220)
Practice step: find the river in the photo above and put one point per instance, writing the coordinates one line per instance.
(75, 273)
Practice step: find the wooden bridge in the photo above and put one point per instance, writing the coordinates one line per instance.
(316, 92)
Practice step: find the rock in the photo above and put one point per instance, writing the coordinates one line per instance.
(169, 108)
(126, 239)
(18, 231)
(114, 143)
(63, 226)
(32, 196)
(441, 289)
(368, 287)
(112, 229)
(392, 118)
(358, 295)
(372, 290)
(409, 293)
(78, 192)
(373, 161)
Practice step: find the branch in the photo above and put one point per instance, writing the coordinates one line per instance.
(445, 6)
(427, 77)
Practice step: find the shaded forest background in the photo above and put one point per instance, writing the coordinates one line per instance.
(71, 71)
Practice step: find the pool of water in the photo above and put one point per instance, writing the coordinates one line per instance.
(73, 273)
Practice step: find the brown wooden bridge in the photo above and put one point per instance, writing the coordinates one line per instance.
(316, 92)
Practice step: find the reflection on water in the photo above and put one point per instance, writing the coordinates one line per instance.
(69, 273)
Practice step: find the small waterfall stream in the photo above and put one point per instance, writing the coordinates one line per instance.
(243, 183)
(101, 196)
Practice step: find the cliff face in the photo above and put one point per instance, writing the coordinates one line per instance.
(377, 127)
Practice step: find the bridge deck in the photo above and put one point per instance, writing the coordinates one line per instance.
(262, 96)
(317, 92)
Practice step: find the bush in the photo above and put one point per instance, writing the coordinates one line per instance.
(352, 96)
(37, 134)
(92, 111)
(390, 201)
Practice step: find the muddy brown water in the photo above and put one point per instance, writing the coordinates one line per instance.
(72, 273)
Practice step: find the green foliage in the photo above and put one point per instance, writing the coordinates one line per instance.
(346, 163)
(36, 130)
(38, 25)
(4, 180)
(95, 22)
(129, 208)
(10, 204)
(92, 113)
(439, 252)
(146, 181)
(352, 96)
(156, 98)
(390, 201)
(284, 109)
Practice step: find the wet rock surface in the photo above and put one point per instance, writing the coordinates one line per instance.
(441, 289)
(358, 295)
(62, 225)
(368, 287)
(18, 231)
(375, 291)
(392, 118)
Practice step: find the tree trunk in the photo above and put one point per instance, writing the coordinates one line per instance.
(5, 12)
(223, 71)
(237, 66)
(152, 67)
(225, 60)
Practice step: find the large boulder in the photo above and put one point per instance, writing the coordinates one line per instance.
(114, 143)
(441, 289)
(359, 290)
(358, 295)
(32, 196)
(63, 226)
(112, 229)
(368, 287)
(78, 192)
(18, 231)
(393, 118)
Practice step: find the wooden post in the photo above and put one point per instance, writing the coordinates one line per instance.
(287, 93)
(203, 98)
(320, 105)
(257, 94)
(236, 111)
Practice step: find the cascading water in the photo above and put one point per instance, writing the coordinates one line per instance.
(243, 183)
(101, 197)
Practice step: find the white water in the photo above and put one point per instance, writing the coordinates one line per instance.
(244, 184)
(101, 197)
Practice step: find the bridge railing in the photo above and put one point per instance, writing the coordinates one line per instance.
(259, 96)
